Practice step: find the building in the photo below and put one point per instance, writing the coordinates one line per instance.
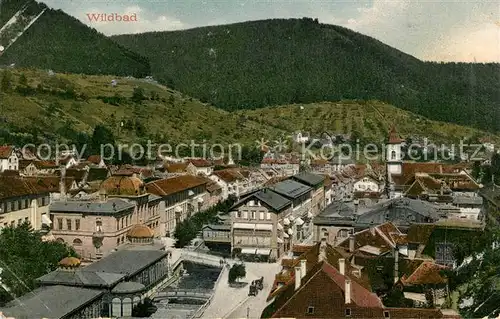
(334, 224)
(258, 225)
(110, 287)
(232, 182)
(317, 183)
(182, 196)
(301, 197)
(8, 159)
(198, 166)
(23, 200)
(283, 167)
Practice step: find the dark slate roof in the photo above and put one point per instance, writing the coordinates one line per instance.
(337, 213)
(80, 278)
(272, 199)
(88, 207)
(50, 302)
(378, 211)
(153, 198)
(222, 227)
(290, 188)
(128, 287)
(128, 262)
(309, 179)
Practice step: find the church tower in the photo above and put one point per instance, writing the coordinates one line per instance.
(394, 156)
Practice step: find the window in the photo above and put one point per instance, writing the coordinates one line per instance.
(77, 224)
(26, 219)
(262, 216)
(386, 314)
(19, 221)
(310, 310)
(348, 312)
(98, 225)
(268, 217)
(238, 214)
(59, 223)
(253, 214)
(393, 155)
(68, 222)
(77, 242)
(26, 203)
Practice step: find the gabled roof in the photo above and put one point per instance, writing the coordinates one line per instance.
(428, 273)
(360, 296)
(229, 175)
(309, 179)
(176, 167)
(394, 137)
(271, 199)
(128, 262)
(6, 151)
(200, 162)
(51, 183)
(290, 188)
(45, 164)
(381, 237)
(168, 186)
(12, 186)
(94, 159)
(97, 174)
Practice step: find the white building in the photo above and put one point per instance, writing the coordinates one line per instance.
(8, 159)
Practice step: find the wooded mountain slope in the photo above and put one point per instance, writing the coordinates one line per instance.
(272, 62)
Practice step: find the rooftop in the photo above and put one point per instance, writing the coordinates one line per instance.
(309, 179)
(110, 207)
(128, 262)
(50, 302)
(290, 188)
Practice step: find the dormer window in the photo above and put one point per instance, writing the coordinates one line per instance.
(310, 310)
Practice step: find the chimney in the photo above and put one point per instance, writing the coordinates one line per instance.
(351, 243)
(396, 265)
(347, 291)
(303, 269)
(298, 277)
(322, 251)
(342, 266)
(62, 186)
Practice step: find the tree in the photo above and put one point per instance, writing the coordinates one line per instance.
(396, 298)
(6, 82)
(138, 95)
(23, 80)
(101, 136)
(144, 309)
(25, 257)
(236, 272)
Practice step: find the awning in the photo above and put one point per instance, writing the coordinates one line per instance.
(279, 240)
(290, 231)
(200, 200)
(299, 221)
(244, 226)
(280, 227)
(249, 251)
(190, 193)
(178, 209)
(286, 221)
(310, 215)
(285, 235)
(268, 227)
(46, 220)
(263, 251)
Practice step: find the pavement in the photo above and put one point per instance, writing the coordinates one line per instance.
(229, 302)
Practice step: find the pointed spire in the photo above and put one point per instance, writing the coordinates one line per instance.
(394, 136)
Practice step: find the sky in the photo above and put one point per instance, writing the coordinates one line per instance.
(430, 30)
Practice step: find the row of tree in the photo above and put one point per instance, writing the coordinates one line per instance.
(188, 229)
(24, 256)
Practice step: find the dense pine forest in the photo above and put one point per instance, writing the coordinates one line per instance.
(260, 63)
(62, 43)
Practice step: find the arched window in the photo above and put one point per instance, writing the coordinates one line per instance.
(116, 309)
(77, 242)
(393, 155)
(127, 307)
(60, 240)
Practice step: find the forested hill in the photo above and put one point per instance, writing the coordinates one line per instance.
(62, 43)
(259, 63)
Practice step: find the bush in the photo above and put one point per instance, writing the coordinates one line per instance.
(236, 272)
